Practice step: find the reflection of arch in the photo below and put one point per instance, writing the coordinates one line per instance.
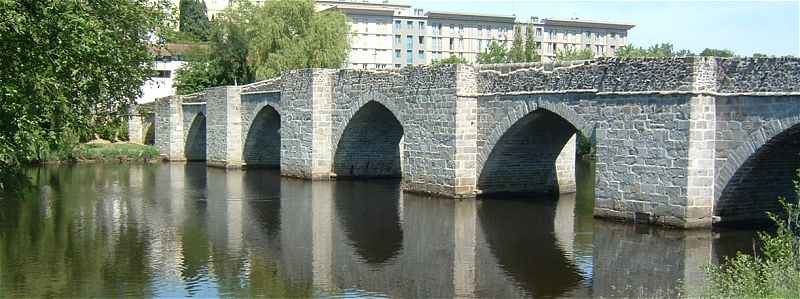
(370, 144)
(195, 148)
(263, 143)
(150, 134)
(523, 158)
(533, 259)
(758, 172)
(369, 214)
(262, 190)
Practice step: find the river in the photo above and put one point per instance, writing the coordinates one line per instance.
(167, 230)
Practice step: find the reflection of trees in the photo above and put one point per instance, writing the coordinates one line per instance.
(520, 235)
(370, 218)
(60, 241)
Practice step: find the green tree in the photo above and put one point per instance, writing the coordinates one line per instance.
(717, 52)
(250, 43)
(194, 19)
(291, 34)
(660, 50)
(684, 53)
(517, 52)
(450, 60)
(531, 50)
(69, 67)
(760, 55)
(495, 53)
(629, 51)
(571, 54)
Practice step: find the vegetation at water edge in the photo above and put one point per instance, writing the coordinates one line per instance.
(775, 272)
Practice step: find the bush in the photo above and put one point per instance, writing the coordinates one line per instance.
(117, 152)
(774, 273)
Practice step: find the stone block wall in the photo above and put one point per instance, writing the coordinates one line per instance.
(306, 123)
(224, 126)
(169, 128)
(423, 100)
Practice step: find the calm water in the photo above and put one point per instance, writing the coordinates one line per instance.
(184, 230)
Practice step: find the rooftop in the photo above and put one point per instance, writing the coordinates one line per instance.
(586, 23)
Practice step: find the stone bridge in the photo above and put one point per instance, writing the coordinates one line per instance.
(679, 141)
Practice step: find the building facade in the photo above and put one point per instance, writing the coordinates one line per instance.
(392, 36)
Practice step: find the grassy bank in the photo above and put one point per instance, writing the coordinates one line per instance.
(115, 152)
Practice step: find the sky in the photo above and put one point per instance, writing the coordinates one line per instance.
(746, 27)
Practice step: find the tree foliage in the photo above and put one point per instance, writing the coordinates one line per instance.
(450, 60)
(571, 54)
(291, 34)
(250, 43)
(717, 52)
(517, 52)
(495, 53)
(194, 19)
(655, 51)
(773, 274)
(69, 66)
(531, 49)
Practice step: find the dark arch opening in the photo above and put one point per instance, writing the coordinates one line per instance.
(195, 149)
(524, 159)
(370, 144)
(262, 148)
(150, 134)
(768, 173)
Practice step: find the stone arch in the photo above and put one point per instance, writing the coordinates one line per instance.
(758, 171)
(262, 145)
(370, 144)
(560, 109)
(195, 146)
(524, 152)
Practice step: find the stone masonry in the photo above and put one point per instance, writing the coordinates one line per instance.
(680, 141)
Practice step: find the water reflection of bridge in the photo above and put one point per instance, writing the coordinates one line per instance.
(254, 229)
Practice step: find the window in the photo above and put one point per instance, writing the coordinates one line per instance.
(397, 25)
(397, 54)
(460, 28)
(421, 55)
(421, 25)
(461, 44)
(409, 42)
(397, 66)
(451, 44)
(452, 29)
(410, 24)
(551, 35)
(396, 39)
(409, 57)
(599, 49)
(421, 41)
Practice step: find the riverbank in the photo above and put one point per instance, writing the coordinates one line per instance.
(114, 152)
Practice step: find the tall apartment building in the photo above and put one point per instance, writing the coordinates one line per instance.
(387, 35)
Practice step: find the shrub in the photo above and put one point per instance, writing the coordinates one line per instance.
(774, 273)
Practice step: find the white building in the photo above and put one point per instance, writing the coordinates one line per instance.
(161, 83)
(391, 35)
